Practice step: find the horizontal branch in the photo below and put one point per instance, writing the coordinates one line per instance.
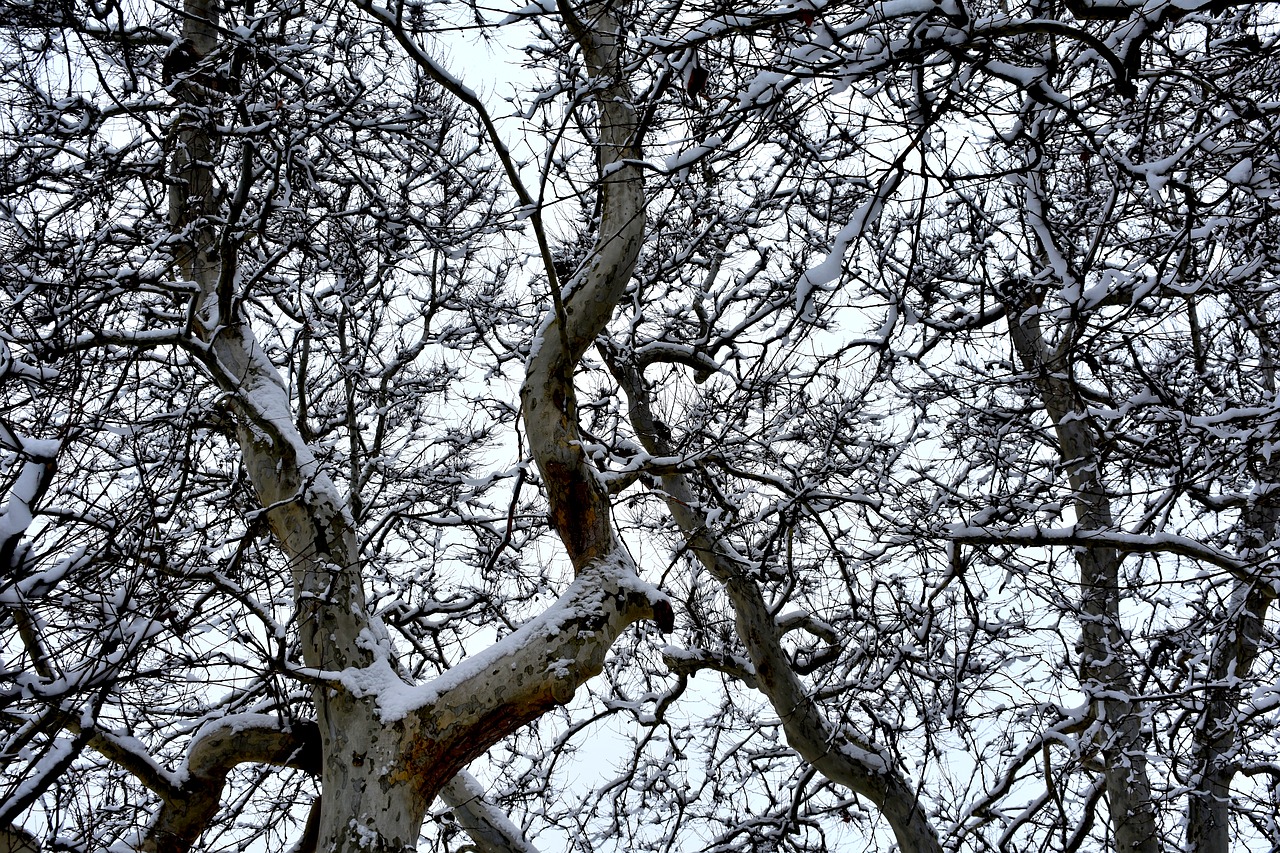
(447, 723)
(690, 661)
(1242, 565)
(187, 810)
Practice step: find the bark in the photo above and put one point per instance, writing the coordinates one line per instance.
(579, 502)
(836, 752)
(188, 806)
(1104, 673)
(382, 764)
(15, 840)
(186, 810)
(304, 508)
(1231, 661)
(491, 831)
(1217, 735)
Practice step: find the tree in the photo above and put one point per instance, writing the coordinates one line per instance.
(909, 366)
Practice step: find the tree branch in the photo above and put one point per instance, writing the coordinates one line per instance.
(219, 747)
(837, 753)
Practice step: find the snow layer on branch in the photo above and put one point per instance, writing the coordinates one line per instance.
(10, 366)
(693, 155)
(820, 276)
(60, 750)
(17, 514)
(538, 7)
(586, 596)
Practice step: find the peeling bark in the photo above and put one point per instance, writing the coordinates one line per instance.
(579, 501)
(379, 772)
(304, 508)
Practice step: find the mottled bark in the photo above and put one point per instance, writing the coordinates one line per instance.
(380, 769)
(306, 512)
(579, 503)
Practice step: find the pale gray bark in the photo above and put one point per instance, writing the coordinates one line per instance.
(189, 803)
(304, 508)
(491, 831)
(14, 840)
(579, 502)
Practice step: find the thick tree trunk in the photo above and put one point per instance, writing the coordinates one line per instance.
(361, 809)
(383, 758)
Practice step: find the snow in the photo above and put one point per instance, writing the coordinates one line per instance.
(397, 699)
(677, 653)
(538, 7)
(828, 270)
(470, 787)
(764, 86)
(686, 158)
(17, 514)
(1241, 173)
(138, 750)
(60, 750)
(1164, 542)
(41, 448)
(40, 582)
(368, 837)
(872, 760)
(236, 723)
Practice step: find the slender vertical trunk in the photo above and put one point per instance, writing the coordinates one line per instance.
(1217, 736)
(1232, 658)
(835, 751)
(1104, 672)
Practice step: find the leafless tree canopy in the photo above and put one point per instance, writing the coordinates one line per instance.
(615, 426)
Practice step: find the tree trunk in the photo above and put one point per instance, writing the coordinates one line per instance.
(579, 502)
(361, 810)
(382, 764)
(1104, 674)
(1231, 660)
(1217, 735)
